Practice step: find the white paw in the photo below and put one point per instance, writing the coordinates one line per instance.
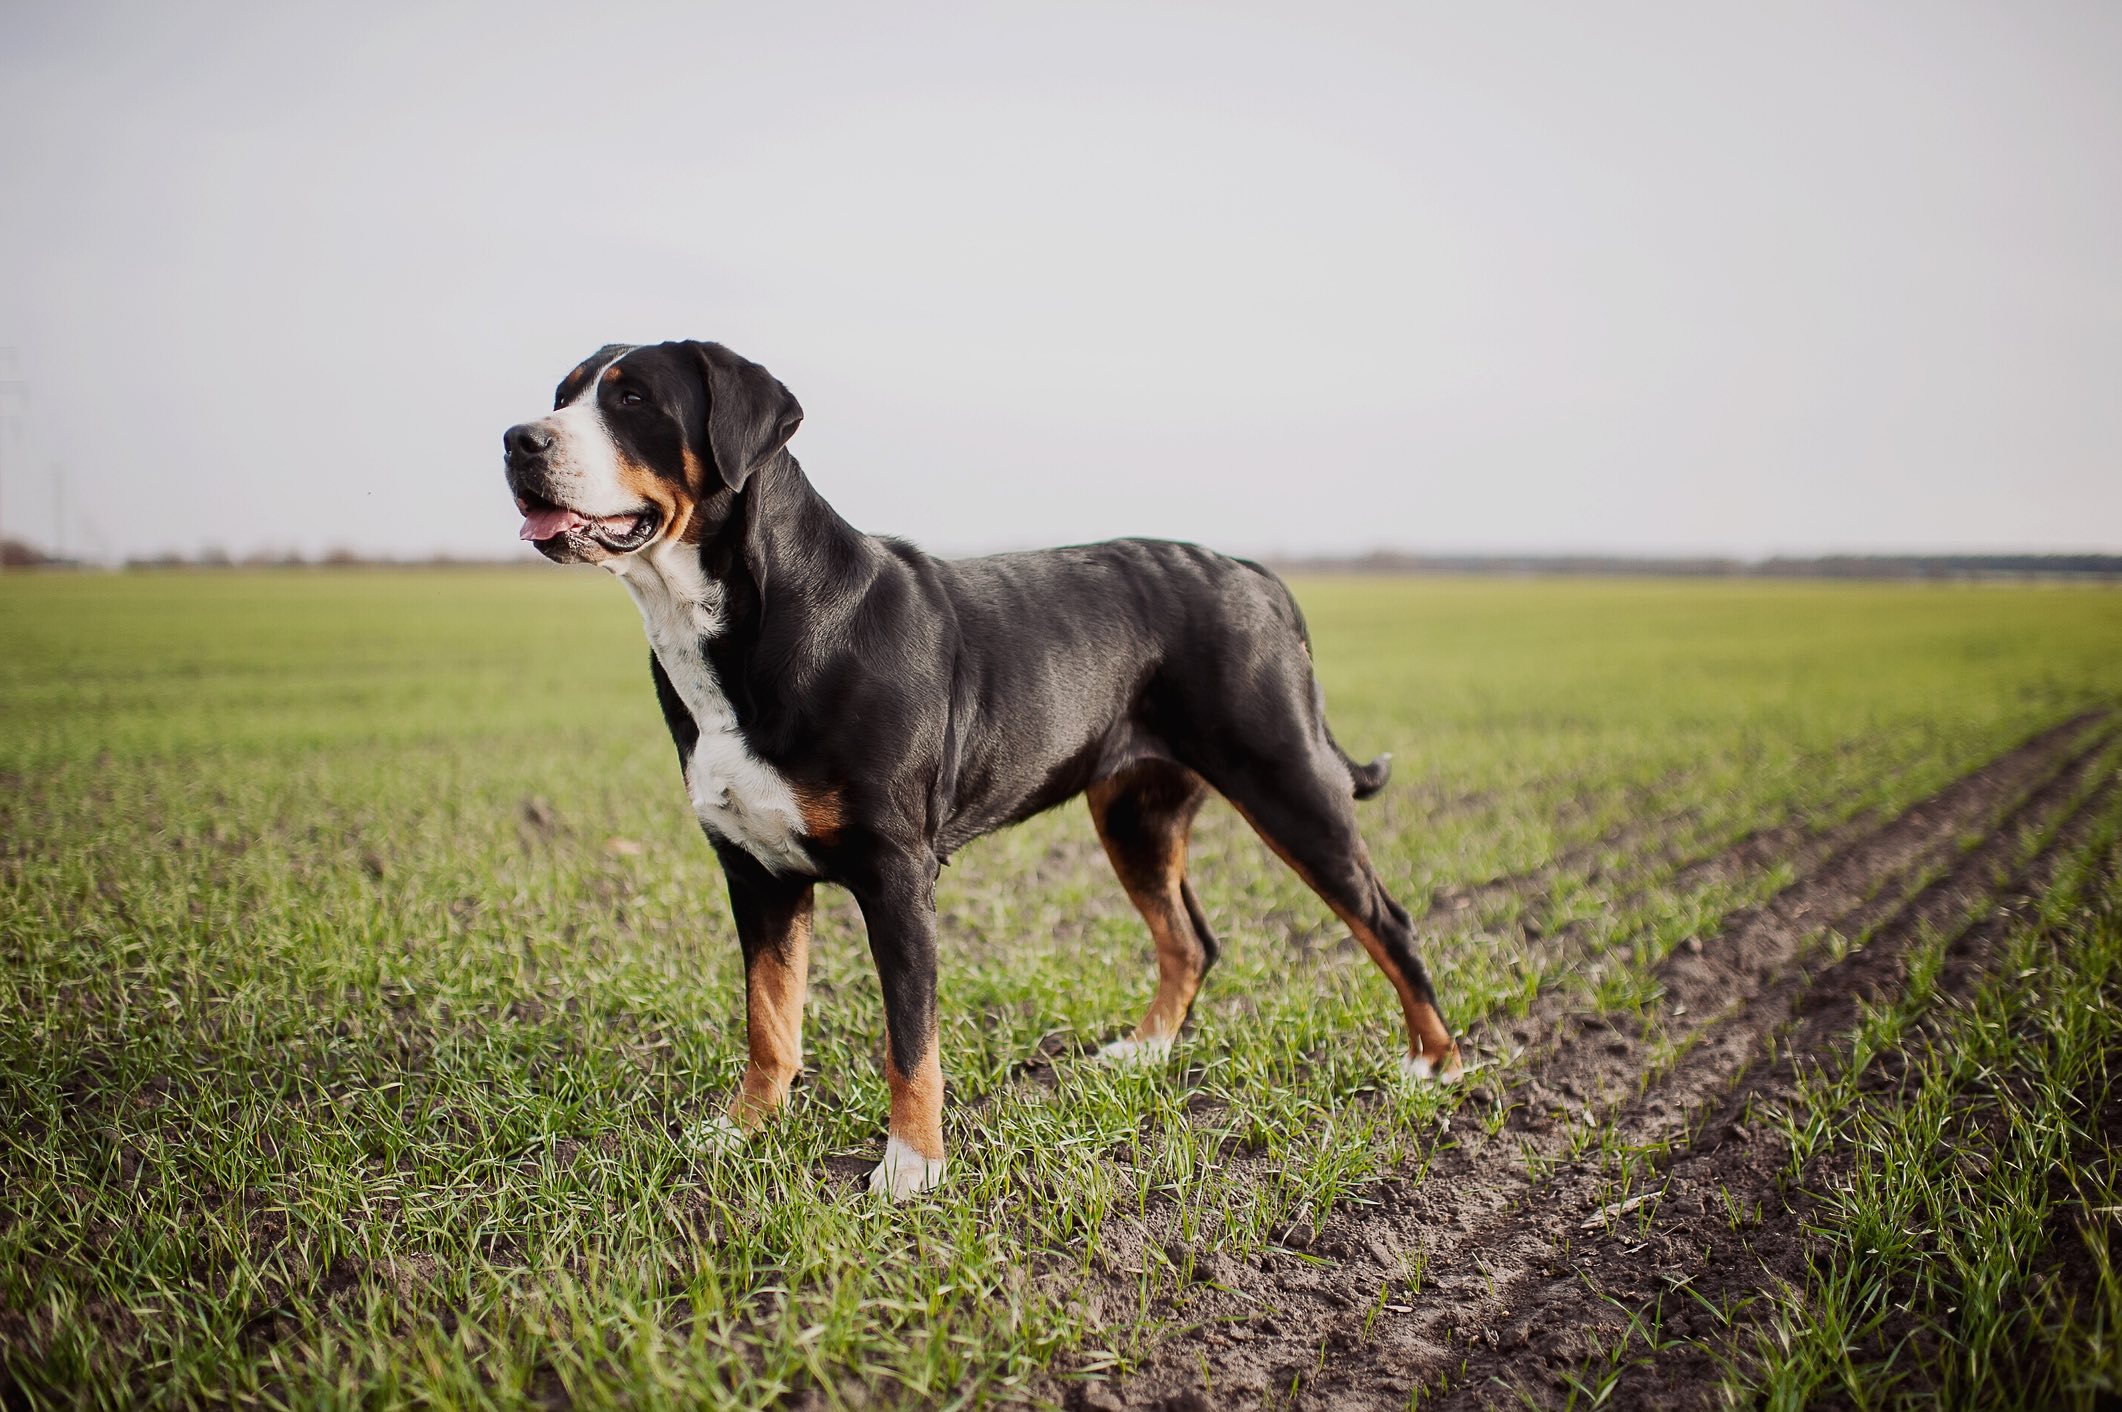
(721, 1135)
(904, 1172)
(1417, 1069)
(1136, 1053)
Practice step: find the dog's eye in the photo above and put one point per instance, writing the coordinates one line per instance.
(629, 398)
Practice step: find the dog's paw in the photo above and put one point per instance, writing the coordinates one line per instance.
(719, 1136)
(1136, 1053)
(1420, 1069)
(904, 1173)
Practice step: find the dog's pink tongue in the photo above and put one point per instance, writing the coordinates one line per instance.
(544, 524)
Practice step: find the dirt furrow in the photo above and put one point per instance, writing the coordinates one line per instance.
(1822, 864)
(1657, 851)
(1699, 1244)
(1531, 884)
(1750, 1162)
(1467, 1232)
(1662, 860)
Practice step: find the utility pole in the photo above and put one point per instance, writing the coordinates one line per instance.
(58, 510)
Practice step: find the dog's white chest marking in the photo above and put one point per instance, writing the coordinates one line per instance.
(736, 795)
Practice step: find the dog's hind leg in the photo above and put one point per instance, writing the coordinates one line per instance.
(1143, 815)
(1304, 808)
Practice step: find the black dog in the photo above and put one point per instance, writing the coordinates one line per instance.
(849, 709)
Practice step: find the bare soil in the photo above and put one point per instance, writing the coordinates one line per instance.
(1526, 1255)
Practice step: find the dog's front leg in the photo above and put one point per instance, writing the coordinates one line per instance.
(773, 916)
(899, 908)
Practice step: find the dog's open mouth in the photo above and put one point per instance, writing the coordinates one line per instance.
(543, 521)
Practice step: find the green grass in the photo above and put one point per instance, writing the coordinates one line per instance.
(365, 975)
(1952, 1205)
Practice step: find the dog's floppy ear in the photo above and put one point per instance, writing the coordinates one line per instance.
(750, 415)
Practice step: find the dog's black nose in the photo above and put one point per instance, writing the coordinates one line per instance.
(527, 440)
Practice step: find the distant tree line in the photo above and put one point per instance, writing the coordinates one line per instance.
(1831, 566)
(18, 554)
(1942, 566)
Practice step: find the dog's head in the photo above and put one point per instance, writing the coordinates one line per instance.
(638, 441)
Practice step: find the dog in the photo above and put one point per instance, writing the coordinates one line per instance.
(849, 709)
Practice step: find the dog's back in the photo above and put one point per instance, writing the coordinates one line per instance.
(1074, 663)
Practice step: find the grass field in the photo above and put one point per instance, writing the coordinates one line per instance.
(366, 979)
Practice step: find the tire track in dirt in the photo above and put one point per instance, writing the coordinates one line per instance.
(1692, 1247)
(1470, 1220)
(1861, 853)
(1656, 847)
(1530, 884)
(1664, 860)
(1746, 856)
(1592, 1249)
(1796, 842)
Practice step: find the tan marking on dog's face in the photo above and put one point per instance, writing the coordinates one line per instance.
(674, 505)
(597, 468)
(917, 1101)
(678, 504)
(774, 989)
(689, 527)
(571, 386)
(584, 469)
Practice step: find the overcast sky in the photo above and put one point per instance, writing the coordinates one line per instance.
(1673, 277)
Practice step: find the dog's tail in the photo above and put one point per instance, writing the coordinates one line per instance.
(1364, 780)
(1367, 779)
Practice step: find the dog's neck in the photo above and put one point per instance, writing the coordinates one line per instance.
(772, 573)
(782, 554)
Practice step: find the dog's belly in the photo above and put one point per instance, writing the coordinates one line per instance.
(736, 796)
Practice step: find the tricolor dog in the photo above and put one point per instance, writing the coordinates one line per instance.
(848, 709)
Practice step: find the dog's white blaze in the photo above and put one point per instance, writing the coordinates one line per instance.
(583, 466)
(736, 795)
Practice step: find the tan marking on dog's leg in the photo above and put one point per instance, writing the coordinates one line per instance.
(917, 1103)
(1179, 965)
(1429, 1043)
(1154, 878)
(774, 985)
(913, 1148)
(1430, 1050)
